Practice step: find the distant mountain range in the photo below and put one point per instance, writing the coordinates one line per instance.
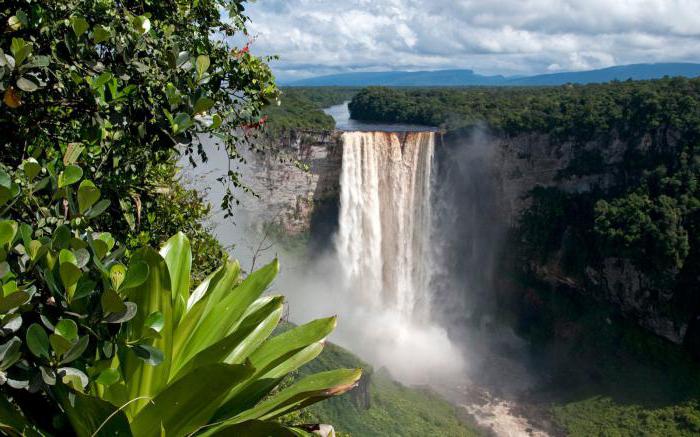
(469, 78)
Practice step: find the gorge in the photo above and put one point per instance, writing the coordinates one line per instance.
(496, 328)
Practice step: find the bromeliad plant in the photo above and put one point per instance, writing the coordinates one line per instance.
(179, 363)
(96, 341)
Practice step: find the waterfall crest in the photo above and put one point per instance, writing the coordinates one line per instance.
(383, 240)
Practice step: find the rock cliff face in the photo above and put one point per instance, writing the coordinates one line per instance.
(518, 164)
(296, 184)
(507, 169)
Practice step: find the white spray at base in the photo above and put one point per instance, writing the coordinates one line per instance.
(383, 247)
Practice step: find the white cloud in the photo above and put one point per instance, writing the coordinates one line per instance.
(315, 37)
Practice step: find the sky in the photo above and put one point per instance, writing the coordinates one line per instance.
(509, 37)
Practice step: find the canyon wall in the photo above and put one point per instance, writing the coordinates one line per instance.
(298, 182)
(518, 164)
(294, 198)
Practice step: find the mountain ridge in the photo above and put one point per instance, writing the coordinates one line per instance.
(464, 77)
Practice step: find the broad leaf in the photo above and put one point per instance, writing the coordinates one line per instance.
(38, 341)
(188, 404)
(224, 310)
(307, 391)
(13, 301)
(79, 25)
(136, 275)
(90, 416)
(235, 348)
(67, 329)
(178, 257)
(69, 176)
(154, 295)
(88, 195)
(202, 64)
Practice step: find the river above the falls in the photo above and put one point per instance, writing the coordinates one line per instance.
(343, 122)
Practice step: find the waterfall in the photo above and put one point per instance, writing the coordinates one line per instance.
(383, 241)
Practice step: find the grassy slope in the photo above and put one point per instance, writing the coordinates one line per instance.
(395, 410)
(610, 377)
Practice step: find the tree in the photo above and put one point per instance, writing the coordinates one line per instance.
(127, 86)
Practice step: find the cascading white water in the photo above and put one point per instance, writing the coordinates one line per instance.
(385, 219)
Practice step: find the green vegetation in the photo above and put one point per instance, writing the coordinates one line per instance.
(580, 112)
(302, 109)
(100, 333)
(606, 375)
(382, 406)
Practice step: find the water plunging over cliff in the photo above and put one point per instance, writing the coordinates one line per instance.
(385, 219)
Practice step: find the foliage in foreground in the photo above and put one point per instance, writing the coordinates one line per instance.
(133, 352)
(128, 86)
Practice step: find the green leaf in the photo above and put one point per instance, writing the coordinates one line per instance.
(38, 341)
(69, 176)
(188, 403)
(100, 248)
(155, 321)
(10, 353)
(150, 355)
(92, 417)
(258, 428)
(31, 168)
(277, 357)
(61, 238)
(111, 302)
(100, 34)
(178, 257)
(38, 62)
(203, 104)
(72, 153)
(88, 194)
(20, 50)
(236, 348)
(108, 377)
(216, 121)
(26, 232)
(79, 25)
(13, 301)
(225, 309)
(182, 122)
(5, 179)
(73, 378)
(76, 351)
(66, 256)
(27, 85)
(117, 273)
(70, 274)
(307, 391)
(36, 250)
(128, 314)
(67, 329)
(8, 232)
(202, 65)
(136, 275)
(82, 257)
(98, 209)
(59, 344)
(14, 23)
(154, 295)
